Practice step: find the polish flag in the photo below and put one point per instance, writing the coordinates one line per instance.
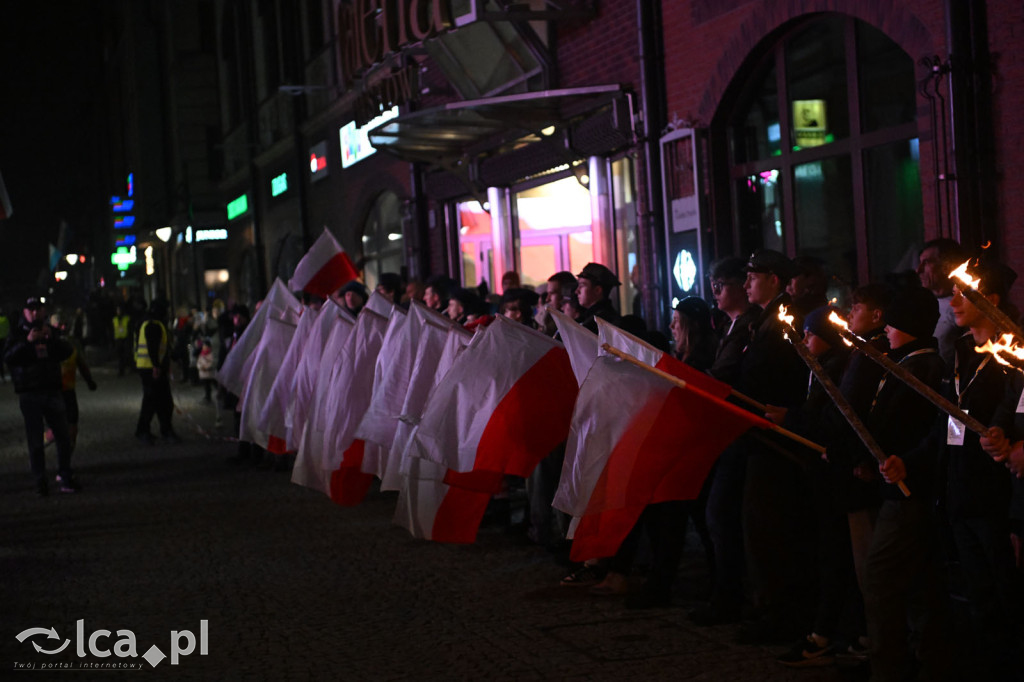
(279, 304)
(324, 269)
(580, 343)
(273, 348)
(308, 469)
(6, 210)
(275, 408)
(504, 406)
(652, 442)
(408, 359)
(303, 385)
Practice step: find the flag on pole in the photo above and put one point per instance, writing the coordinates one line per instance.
(310, 398)
(503, 406)
(653, 442)
(280, 304)
(275, 408)
(324, 269)
(330, 318)
(580, 343)
(6, 210)
(270, 354)
(412, 347)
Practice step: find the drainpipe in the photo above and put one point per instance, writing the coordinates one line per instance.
(650, 228)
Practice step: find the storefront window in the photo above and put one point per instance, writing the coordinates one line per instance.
(554, 229)
(846, 187)
(475, 244)
(383, 245)
(624, 206)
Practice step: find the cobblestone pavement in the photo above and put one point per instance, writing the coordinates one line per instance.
(293, 587)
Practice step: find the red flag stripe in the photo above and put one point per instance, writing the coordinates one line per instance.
(531, 419)
(349, 485)
(335, 273)
(459, 515)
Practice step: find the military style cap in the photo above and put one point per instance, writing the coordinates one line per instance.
(599, 275)
(768, 260)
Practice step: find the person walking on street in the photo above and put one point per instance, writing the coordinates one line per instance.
(34, 355)
(153, 361)
(122, 339)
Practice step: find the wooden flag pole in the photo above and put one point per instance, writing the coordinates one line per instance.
(682, 384)
(842, 404)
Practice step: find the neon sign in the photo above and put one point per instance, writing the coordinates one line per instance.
(215, 234)
(355, 145)
(123, 221)
(279, 185)
(238, 207)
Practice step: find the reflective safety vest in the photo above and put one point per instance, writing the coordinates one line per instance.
(68, 370)
(5, 327)
(121, 326)
(142, 358)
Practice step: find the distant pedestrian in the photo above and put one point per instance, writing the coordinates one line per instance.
(73, 365)
(153, 362)
(122, 324)
(34, 354)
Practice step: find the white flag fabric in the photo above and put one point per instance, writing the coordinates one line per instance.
(580, 343)
(308, 469)
(272, 417)
(280, 304)
(624, 341)
(324, 269)
(351, 387)
(277, 336)
(303, 385)
(416, 348)
(469, 424)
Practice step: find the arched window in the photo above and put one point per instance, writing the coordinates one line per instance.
(383, 245)
(823, 150)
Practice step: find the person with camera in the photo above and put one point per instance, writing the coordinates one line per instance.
(34, 354)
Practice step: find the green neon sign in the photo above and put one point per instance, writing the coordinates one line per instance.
(279, 185)
(238, 207)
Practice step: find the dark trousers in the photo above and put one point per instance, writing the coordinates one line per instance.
(156, 399)
(665, 523)
(724, 514)
(777, 535)
(547, 525)
(902, 585)
(123, 349)
(40, 410)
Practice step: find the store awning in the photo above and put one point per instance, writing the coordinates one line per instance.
(453, 133)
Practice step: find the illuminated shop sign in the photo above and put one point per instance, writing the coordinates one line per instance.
(122, 222)
(318, 161)
(810, 125)
(279, 185)
(130, 184)
(238, 206)
(126, 240)
(123, 206)
(211, 235)
(123, 257)
(355, 145)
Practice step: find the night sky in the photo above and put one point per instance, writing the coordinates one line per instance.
(52, 133)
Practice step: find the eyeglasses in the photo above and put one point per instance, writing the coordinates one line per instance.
(717, 285)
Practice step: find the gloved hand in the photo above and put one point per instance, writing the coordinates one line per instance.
(91, 383)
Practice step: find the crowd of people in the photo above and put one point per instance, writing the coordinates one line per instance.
(853, 553)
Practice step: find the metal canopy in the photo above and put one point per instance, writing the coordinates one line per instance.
(458, 132)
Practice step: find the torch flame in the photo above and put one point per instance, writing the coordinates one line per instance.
(839, 322)
(1006, 345)
(961, 274)
(788, 319)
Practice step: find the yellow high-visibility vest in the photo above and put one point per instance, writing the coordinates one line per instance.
(121, 326)
(142, 358)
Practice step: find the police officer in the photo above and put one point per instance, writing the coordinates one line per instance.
(152, 360)
(34, 354)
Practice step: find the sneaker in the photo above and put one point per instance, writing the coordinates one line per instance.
(809, 653)
(67, 484)
(854, 654)
(584, 576)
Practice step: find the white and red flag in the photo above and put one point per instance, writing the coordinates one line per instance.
(503, 406)
(652, 442)
(270, 354)
(331, 317)
(324, 269)
(279, 304)
(272, 416)
(311, 396)
(580, 343)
